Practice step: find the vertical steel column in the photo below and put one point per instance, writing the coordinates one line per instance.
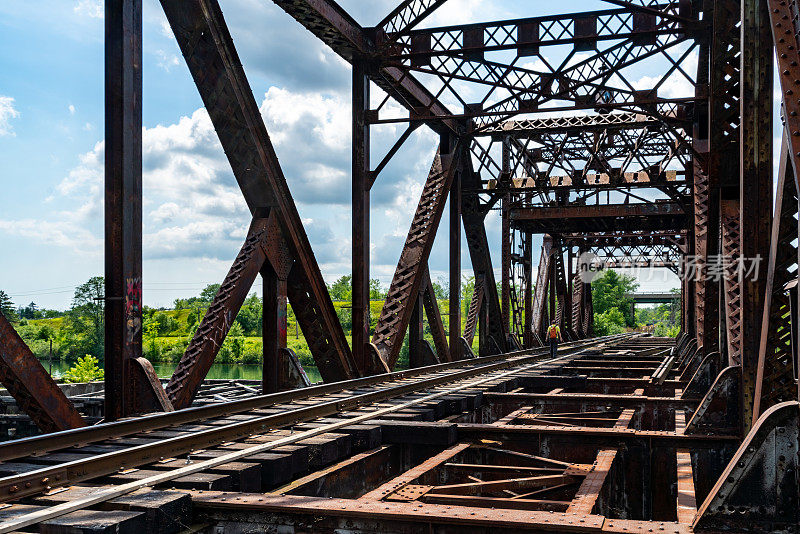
(360, 208)
(528, 317)
(505, 233)
(505, 261)
(756, 181)
(551, 286)
(123, 201)
(483, 327)
(454, 311)
(274, 328)
(416, 335)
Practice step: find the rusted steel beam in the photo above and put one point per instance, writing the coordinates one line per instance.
(435, 319)
(527, 35)
(527, 328)
(123, 203)
(563, 298)
(218, 320)
(505, 257)
(360, 214)
(775, 381)
(475, 305)
(385, 516)
(405, 286)
(577, 305)
(755, 184)
(407, 15)
(454, 311)
(414, 473)
(328, 21)
(348, 478)
(598, 211)
(732, 286)
(32, 386)
(273, 319)
(575, 123)
(760, 483)
(589, 491)
(473, 216)
(206, 44)
(540, 317)
(416, 335)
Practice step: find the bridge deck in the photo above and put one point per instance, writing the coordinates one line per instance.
(517, 441)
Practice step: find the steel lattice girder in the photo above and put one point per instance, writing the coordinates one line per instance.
(623, 250)
(209, 52)
(32, 386)
(572, 219)
(344, 35)
(528, 35)
(412, 267)
(336, 28)
(219, 318)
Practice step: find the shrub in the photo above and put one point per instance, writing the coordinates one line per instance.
(85, 370)
(610, 322)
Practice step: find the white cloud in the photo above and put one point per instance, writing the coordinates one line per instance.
(7, 112)
(676, 85)
(193, 208)
(60, 234)
(90, 8)
(167, 61)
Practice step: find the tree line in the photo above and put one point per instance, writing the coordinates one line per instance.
(79, 331)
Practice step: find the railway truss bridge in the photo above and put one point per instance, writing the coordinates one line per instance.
(639, 133)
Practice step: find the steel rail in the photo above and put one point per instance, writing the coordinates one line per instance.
(41, 480)
(105, 495)
(82, 436)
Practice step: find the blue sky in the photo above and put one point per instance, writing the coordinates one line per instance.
(51, 132)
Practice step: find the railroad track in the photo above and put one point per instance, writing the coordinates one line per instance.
(77, 456)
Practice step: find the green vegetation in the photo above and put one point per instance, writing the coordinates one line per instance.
(613, 311)
(7, 307)
(84, 370)
(78, 334)
(664, 319)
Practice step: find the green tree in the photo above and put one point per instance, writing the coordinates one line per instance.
(467, 290)
(166, 323)
(609, 322)
(46, 333)
(376, 292)
(235, 340)
(85, 319)
(342, 289)
(150, 335)
(31, 311)
(249, 316)
(610, 290)
(7, 307)
(345, 316)
(208, 294)
(441, 289)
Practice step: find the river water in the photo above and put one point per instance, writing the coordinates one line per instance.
(228, 371)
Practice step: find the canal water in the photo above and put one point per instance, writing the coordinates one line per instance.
(228, 371)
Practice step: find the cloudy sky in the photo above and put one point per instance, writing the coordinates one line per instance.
(51, 148)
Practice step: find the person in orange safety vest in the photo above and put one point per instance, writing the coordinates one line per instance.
(553, 336)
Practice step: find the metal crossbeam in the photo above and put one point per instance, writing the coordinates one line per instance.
(32, 386)
(211, 56)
